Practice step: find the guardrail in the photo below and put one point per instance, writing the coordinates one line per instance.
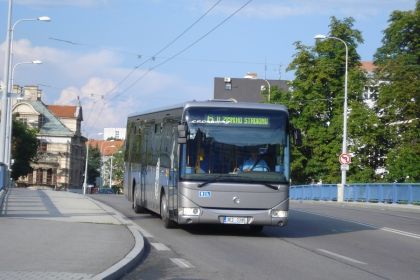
(384, 193)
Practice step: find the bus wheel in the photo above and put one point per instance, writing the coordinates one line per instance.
(137, 208)
(256, 228)
(164, 212)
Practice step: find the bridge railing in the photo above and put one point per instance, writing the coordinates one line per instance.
(384, 193)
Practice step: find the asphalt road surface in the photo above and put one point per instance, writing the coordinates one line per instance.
(322, 241)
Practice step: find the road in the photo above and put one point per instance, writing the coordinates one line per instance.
(322, 241)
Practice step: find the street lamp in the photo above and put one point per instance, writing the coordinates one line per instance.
(253, 76)
(110, 167)
(8, 154)
(86, 167)
(7, 70)
(344, 148)
(102, 158)
(269, 89)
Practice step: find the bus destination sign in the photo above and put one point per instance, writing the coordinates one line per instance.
(232, 120)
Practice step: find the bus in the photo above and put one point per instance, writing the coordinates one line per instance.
(186, 163)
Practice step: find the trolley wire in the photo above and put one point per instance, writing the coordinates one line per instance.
(176, 54)
(152, 58)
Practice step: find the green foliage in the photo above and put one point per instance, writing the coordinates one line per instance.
(117, 169)
(118, 165)
(24, 148)
(398, 69)
(94, 165)
(316, 106)
(403, 164)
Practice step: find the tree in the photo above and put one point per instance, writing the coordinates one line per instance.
(24, 148)
(118, 171)
(398, 101)
(316, 107)
(94, 165)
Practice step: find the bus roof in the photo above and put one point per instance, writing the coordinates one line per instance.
(212, 104)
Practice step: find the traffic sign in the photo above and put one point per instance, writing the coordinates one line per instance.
(345, 167)
(344, 158)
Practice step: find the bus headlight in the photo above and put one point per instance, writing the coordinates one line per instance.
(189, 211)
(279, 213)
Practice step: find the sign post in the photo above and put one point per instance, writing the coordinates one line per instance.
(345, 160)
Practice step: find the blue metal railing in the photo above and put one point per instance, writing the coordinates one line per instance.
(385, 193)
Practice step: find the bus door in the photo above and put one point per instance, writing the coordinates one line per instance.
(144, 162)
(172, 145)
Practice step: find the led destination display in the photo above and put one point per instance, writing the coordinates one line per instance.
(237, 120)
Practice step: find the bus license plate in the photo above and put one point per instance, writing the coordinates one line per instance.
(235, 220)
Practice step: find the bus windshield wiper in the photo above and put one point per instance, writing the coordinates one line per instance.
(271, 186)
(209, 182)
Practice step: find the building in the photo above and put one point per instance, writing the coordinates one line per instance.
(114, 133)
(61, 153)
(371, 88)
(247, 89)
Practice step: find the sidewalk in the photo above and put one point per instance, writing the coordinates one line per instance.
(48, 234)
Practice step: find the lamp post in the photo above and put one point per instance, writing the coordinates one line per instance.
(340, 194)
(110, 167)
(8, 154)
(102, 158)
(86, 167)
(7, 70)
(253, 76)
(6, 85)
(269, 89)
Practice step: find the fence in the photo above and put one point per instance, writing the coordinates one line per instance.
(4, 175)
(385, 193)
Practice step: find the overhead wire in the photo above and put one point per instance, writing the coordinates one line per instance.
(184, 49)
(157, 53)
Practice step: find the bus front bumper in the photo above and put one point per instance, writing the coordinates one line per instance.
(269, 217)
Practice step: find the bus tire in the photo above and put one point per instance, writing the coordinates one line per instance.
(137, 208)
(164, 212)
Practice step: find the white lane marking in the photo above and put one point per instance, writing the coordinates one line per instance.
(340, 256)
(396, 231)
(405, 233)
(181, 263)
(160, 246)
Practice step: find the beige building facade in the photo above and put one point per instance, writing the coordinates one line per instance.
(60, 160)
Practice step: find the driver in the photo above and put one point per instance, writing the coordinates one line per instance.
(254, 163)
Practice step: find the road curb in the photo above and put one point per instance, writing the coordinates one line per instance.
(136, 253)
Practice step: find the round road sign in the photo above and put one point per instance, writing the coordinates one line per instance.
(344, 158)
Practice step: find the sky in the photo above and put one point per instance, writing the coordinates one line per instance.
(124, 56)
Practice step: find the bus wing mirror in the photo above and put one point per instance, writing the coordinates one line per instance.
(182, 134)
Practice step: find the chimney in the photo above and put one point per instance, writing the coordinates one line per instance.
(32, 93)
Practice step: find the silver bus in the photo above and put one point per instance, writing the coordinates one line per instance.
(217, 162)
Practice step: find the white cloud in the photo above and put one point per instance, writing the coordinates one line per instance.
(99, 81)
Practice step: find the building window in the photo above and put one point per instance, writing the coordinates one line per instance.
(228, 86)
(117, 134)
(24, 120)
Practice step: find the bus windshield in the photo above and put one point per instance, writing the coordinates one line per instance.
(235, 145)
